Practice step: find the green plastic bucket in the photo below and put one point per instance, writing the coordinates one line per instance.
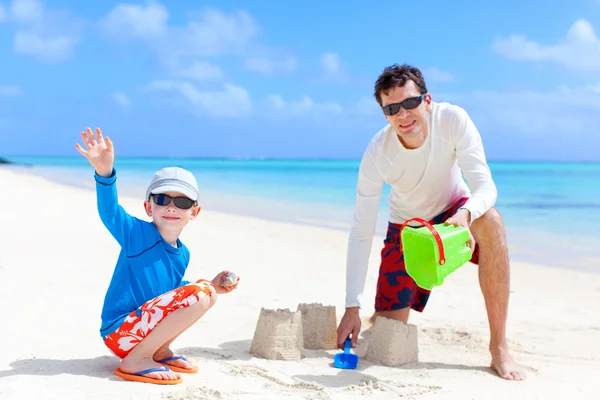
(432, 252)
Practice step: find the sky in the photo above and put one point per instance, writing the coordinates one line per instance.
(293, 78)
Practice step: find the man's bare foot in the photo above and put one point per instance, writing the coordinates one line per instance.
(162, 354)
(506, 367)
(130, 365)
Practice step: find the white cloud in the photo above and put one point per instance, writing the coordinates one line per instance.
(202, 71)
(436, 75)
(333, 69)
(214, 33)
(136, 21)
(46, 34)
(183, 48)
(47, 49)
(565, 112)
(331, 63)
(121, 99)
(578, 50)
(3, 15)
(595, 88)
(10, 91)
(269, 66)
(231, 102)
(27, 11)
(367, 107)
(282, 108)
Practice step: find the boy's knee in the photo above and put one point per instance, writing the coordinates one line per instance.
(212, 298)
(204, 293)
(209, 295)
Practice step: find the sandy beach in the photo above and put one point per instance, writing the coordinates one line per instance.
(56, 260)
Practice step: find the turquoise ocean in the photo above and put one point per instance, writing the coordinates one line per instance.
(551, 210)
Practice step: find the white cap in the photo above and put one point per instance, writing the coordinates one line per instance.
(174, 179)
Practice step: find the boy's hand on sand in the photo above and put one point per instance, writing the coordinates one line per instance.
(220, 289)
(99, 153)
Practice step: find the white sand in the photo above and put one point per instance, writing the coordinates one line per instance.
(56, 260)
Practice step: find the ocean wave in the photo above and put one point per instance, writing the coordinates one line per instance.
(552, 206)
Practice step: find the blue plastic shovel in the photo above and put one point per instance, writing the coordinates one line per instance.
(345, 360)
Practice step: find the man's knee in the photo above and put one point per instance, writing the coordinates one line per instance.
(491, 219)
(492, 216)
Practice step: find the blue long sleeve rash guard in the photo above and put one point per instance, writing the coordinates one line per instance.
(147, 266)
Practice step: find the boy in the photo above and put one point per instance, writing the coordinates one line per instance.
(148, 305)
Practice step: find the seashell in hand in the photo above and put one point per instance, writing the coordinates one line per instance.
(229, 280)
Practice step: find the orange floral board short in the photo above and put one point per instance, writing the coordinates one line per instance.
(143, 320)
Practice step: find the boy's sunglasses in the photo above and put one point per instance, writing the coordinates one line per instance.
(408, 104)
(180, 202)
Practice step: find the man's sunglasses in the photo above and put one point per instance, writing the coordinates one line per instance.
(408, 104)
(180, 202)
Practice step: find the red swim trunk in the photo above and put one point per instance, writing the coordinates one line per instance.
(143, 320)
(395, 288)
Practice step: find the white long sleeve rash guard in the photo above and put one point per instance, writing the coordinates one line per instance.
(424, 182)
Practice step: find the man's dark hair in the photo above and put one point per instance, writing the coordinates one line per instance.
(398, 75)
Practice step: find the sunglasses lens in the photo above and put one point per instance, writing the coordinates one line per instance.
(408, 104)
(411, 103)
(184, 203)
(180, 202)
(161, 199)
(391, 109)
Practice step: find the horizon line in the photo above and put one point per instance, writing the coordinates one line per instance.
(272, 158)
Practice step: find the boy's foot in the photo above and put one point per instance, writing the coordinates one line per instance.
(146, 368)
(176, 363)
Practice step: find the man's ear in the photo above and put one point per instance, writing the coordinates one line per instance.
(148, 208)
(428, 102)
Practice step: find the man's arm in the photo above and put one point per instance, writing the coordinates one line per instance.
(113, 216)
(472, 161)
(368, 195)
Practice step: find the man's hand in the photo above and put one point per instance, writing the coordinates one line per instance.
(463, 218)
(100, 152)
(220, 289)
(350, 324)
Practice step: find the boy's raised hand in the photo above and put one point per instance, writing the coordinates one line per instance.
(99, 153)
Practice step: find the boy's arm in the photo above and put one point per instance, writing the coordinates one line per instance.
(113, 216)
(99, 151)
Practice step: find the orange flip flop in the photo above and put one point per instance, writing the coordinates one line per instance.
(192, 370)
(138, 376)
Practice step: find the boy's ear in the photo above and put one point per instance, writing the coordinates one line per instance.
(148, 208)
(195, 211)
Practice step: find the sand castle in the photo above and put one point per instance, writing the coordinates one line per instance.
(392, 343)
(319, 326)
(283, 334)
(278, 335)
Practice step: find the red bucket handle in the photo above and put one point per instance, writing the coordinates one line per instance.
(436, 235)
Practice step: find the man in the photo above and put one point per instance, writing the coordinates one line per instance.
(421, 154)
